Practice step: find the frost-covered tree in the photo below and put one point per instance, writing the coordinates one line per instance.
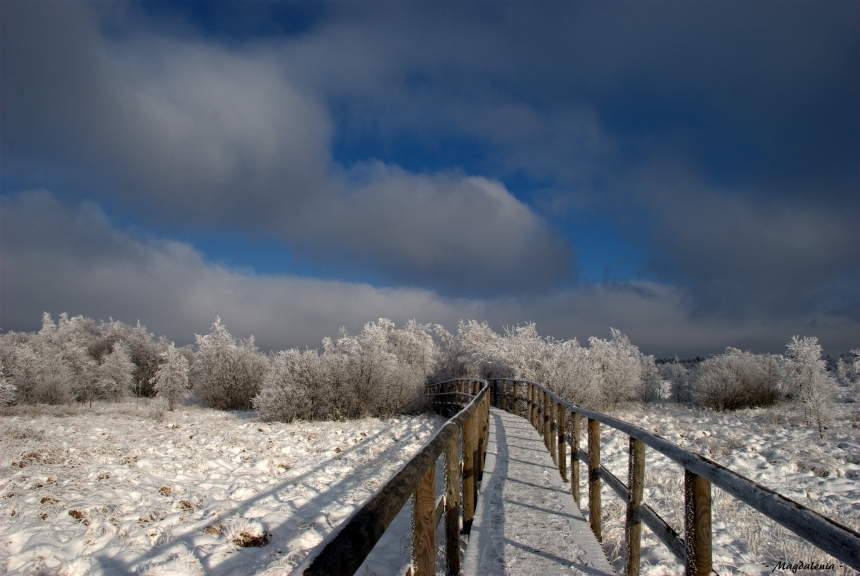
(8, 392)
(651, 380)
(569, 373)
(807, 380)
(678, 377)
(171, 380)
(848, 372)
(115, 374)
(146, 354)
(413, 346)
(38, 367)
(617, 366)
(599, 376)
(226, 374)
(66, 361)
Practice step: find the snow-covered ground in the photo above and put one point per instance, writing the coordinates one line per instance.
(765, 445)
(117, 490)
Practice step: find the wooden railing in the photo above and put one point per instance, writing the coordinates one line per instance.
(466, 433)
(550, 416)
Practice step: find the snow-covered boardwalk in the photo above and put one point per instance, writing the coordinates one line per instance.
(526, 521)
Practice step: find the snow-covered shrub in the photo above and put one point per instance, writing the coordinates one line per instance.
(380, 372)
(155, 410)
(295, 386)
(171, 380)
(737, 380)
(678, 377)
(226, 373)
(368, 377)
(807, 382)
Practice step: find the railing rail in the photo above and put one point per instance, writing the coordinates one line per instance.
(549, 413)
(466, 433)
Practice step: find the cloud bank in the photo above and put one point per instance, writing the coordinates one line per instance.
(76, 260)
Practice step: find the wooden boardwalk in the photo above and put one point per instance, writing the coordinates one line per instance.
(526, 521)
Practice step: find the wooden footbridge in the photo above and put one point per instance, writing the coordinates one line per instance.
(511, 503)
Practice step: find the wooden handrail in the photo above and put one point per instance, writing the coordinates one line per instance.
(344, 550)
(700, 473)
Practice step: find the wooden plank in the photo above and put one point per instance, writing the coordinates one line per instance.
(452, 506)
(697, 524)
(633, 524)
(594, 477)
(574, 461)
(423, 525)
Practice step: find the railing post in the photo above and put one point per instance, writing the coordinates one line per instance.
(574, 460)
(539, 412)
(423, 526)
(452, 506)
(468, 472)
(562, 453)
(697, 524)
(482, 438)
(546, 418)
(485, 422)
(636, 483)
(531, 389)
(594, 477)
(553, 430)
(505, 395)
(516, 399)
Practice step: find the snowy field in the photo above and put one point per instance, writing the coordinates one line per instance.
(123, 489)
(762, 444)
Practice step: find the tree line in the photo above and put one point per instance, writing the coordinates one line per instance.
(382, 370)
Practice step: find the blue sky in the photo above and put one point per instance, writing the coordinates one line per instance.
(685, 172)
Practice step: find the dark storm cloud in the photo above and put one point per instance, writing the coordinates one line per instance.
(204, 135)
(741, 253)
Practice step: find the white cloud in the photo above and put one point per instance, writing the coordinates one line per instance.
(59, 259)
